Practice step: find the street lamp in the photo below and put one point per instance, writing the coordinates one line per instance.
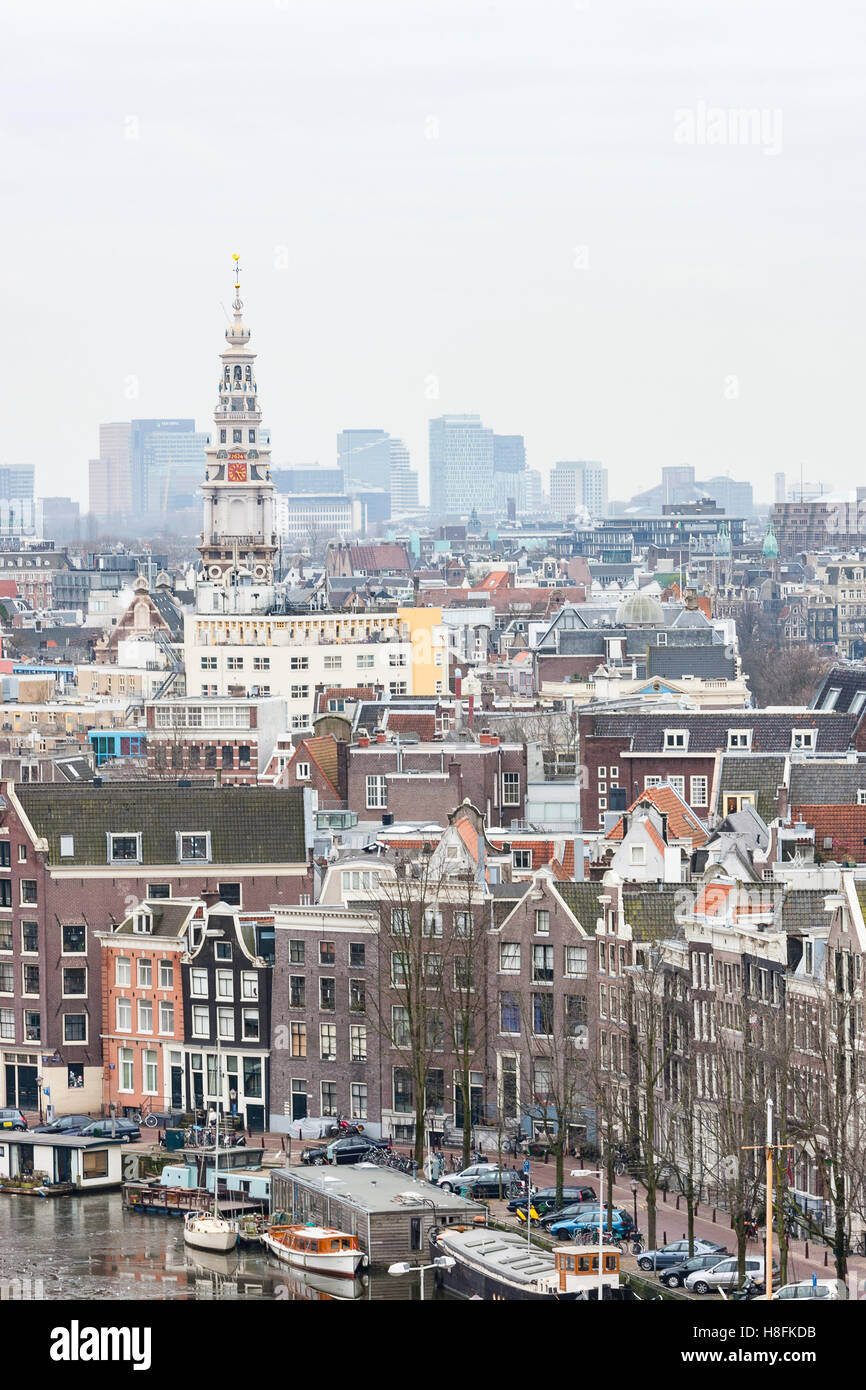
(441, 1262)
(634, 1187)
(596, 1173)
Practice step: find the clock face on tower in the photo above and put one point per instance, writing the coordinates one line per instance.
(237, 473)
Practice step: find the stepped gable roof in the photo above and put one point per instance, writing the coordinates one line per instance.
(250, 825)
(683, 824)
(708, 733)
(746, 772)
(829, 783)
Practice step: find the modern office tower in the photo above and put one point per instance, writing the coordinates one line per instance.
(19, 515)
(780, 484)
(461, 466)
(308, 478)
(239, 538)
(509, 474)
(678, 485)
(312, 519)
(166, 464)
(365, 456)
(61, 518)
(575, 485)
(534, 491)
(403, 480)
(110, 493)
(17, 482)
(733, 497)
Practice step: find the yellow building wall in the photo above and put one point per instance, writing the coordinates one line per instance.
(420, 622)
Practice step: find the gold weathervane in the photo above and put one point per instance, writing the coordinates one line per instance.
(237, 271)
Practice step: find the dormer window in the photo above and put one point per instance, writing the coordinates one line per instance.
(125, 848)
(739, 739)
(861, 796)
(676, 739)
(831, 697)
(856, 704)
(803, 739)
(193, 847)
(142, 922)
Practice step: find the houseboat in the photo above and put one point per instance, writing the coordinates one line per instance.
(321, 1249)
(499, 1265)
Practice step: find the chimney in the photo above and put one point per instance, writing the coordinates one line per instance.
(470, 713)
(363, 741)
(458, 682)
(381, 736)
(209, 896)
(490, 740)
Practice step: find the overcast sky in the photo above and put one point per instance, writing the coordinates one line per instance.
(502, 207)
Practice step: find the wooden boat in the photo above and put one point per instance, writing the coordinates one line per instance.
(499, 1265)
(318, 1248)
(205, 1232)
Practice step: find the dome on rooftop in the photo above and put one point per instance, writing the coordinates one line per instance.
(639, 610)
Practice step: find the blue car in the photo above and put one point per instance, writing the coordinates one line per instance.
(621, 1223)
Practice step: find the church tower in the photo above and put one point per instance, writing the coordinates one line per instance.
(238, 542)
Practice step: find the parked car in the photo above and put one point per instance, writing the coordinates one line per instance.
(676, 1252)
(552, 1215)
(675, 1276)
(830, 1289)
(127, 1130)
(64, 1124)
(353, 1147)
(621, 1223)
(482, 1179)
(315, 1154)
(547, 1196)
(725, 1275)
(10, 1118)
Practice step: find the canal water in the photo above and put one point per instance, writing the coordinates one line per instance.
(94, 1248)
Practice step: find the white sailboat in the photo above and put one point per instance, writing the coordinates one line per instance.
(200, 1230)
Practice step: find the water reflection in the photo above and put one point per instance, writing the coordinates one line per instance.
(94, 1248)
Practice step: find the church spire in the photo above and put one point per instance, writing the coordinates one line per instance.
(238, 541)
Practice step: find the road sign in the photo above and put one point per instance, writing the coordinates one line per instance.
(526, 1165)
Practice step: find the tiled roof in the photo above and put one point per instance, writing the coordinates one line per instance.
(402, 722)
(848, 680)
(843, 826)
(746, 772)
(801, 909)
(683, 824)
(582, 900)
(342, 692)
(379, 557)
(323, 751)
(169, 916)
(828, 783)
(650, 910)
(708, 733)
(248, 825)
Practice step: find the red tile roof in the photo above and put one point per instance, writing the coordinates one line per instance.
(683, 824)
(844, 825)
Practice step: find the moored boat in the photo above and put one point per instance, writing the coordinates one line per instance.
(205, 1232)
(499, 1265)
(318, 1248)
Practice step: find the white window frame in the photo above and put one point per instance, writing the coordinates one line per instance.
(112, 835)
(698, 797)
(302, 772)
(181, 835)
(676, 740)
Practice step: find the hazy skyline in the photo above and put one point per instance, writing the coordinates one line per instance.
(551, 216)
